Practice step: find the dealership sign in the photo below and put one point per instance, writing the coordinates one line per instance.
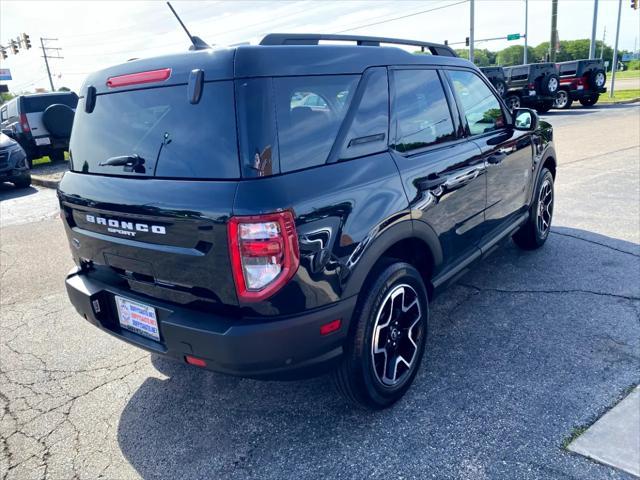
(5, 74)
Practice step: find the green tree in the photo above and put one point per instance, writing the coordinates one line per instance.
(5, 97)
(482, 56)
(514, 55)
(64, 89)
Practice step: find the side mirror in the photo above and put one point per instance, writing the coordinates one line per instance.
(8, 132)
(525, 119)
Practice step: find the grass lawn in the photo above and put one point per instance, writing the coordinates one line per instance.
(620, 95)
(626, 74)
(45, 160)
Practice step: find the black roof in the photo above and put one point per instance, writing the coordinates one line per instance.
(284, 55)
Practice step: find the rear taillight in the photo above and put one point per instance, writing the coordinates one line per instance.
(532, 86)
(264, 253)
(24, 124)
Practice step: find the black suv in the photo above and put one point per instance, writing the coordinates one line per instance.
(287, 209)
(497, 78)
(582, 80)
(13, 163)
(41, 123)
(533, 85)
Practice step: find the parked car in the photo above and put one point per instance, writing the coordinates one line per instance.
(41, 123)
(533, 85)
(497, 78)
(581, 80)
(214, 220)
(13, 163)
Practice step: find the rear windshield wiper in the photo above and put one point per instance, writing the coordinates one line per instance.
(131, 163)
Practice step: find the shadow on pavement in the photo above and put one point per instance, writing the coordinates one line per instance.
(526, 348)
(9, 191)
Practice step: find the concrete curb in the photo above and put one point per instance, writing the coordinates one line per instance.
(44, 182)
(621, 102)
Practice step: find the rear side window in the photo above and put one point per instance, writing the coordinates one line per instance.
(481, 107)
(309, 113)
(168, 136)
(40, 103)
(568, 69)
(421, 110)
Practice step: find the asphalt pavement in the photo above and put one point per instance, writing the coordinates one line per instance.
(524, 352)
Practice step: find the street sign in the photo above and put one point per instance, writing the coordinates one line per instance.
(513, 36)
(5, 74)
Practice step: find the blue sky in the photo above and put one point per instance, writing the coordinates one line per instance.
(95, 34)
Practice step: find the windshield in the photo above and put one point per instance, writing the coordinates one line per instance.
(158, 132)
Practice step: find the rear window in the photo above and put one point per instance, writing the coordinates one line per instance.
(161, 130)
(40, 103)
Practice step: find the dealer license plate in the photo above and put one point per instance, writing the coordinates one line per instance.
(138, 318)
(43, 141)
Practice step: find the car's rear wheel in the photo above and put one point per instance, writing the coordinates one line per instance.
(597, 79)
(563, 100)
(534, 233)
(23, 181)
(513, 101)
(500, 86)
(544, 107)
(388, 336)
(56, 155)
(550, 84)
(589, 101)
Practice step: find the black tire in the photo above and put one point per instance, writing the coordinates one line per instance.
(30, 162)
(512, 101)
(589, 101)
(23, 181)
(563, 100)
(58, 119)
(358, 377)
(550, 84)
(500, 86)
(56, 155)
(544, 107)
(597, 79)
(534, 233)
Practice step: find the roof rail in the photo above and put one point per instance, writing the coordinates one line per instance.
(314, 39)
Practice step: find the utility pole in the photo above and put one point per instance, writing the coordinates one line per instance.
(526, 31)
(554, 30)
(604, 35)
(614, 67)
(47, 56)
(592, 44)
(471, 28)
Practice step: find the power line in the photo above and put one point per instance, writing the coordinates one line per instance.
(403, 16)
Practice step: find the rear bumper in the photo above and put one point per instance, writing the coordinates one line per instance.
(279, 348)
(578, 94)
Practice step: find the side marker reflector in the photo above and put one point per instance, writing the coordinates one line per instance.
(331, 327)
(197, 362)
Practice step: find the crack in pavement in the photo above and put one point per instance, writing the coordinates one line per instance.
(548, 291)
(555, 232)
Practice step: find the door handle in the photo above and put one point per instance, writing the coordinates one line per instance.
(496, 158)
(431, 183)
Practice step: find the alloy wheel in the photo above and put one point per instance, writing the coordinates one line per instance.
(397, 334)
(553, 84)
(561, 99)
(545, 208)
(600, 79)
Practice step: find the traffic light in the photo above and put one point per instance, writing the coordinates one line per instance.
(26, 41)
(3, 53)
(634, 4)
(14, 47)
(466, 41)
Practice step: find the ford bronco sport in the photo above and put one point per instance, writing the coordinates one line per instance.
(533, 85)
(582, 80)
(286, 209)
